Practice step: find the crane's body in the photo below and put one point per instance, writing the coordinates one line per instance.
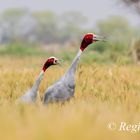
(63, 89)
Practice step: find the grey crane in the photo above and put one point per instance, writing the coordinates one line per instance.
(64, 88)
(31, 95)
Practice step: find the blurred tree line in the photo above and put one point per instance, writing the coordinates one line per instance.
(21, 25)
(135, 47)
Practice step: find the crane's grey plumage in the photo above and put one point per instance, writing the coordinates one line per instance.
(63, 89)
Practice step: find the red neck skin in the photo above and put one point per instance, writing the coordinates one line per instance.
(44, 69)
(84, 44)
(46, 65)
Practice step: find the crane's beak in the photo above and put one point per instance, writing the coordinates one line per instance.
(58, 62)
(98, 38)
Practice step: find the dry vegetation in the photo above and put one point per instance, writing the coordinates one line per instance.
(103, 94)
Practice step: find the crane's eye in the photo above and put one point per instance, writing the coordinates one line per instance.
(55, 61)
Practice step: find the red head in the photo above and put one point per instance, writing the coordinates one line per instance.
(88, 39)
(51, 61)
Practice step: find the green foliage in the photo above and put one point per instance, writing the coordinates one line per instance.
(118, 32)
(99, 47)
(115, 27)
(93, 53)
(67, 55)
(20, 50)
(14, 13)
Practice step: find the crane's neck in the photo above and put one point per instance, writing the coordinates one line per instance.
(37, 83)
(39, 79)
(73, 66)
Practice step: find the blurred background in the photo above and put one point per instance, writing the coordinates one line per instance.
(50, 27)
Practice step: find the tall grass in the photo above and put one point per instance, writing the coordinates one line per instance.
(104, 93)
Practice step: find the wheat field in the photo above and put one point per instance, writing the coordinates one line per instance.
(104, 94)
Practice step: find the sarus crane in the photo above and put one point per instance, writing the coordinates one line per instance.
(64, 88)
(31, 95)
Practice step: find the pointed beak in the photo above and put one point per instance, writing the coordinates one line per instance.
(98, 38)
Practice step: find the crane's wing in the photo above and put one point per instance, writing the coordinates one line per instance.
(60, 91)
